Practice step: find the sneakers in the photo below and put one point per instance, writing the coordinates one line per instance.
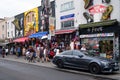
(88, 17)
(87, 3)
(107, 13)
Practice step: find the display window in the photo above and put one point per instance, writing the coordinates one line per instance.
(99, 46)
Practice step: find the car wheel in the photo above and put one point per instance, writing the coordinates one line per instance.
(60, 63)
(94, 68)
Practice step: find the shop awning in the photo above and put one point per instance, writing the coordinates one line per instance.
(38, 35)
(22, 39)
(65, 31)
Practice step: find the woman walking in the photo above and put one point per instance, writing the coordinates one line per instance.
(41, 53)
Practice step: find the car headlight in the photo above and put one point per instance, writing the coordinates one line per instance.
(105, 63)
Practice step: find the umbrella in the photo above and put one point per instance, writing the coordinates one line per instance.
(44, 37)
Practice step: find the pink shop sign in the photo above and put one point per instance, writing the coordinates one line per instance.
(97, 9)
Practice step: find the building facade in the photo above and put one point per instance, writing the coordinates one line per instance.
(96, 20)
(31, 22)
(10, 28)
(100, 33)
(69, 14)
(3, 29)
(47, 16)
(19, 25)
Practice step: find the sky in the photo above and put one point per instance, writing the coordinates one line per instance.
(10, 8)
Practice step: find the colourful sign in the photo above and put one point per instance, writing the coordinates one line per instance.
(31, 22)
(97, 9)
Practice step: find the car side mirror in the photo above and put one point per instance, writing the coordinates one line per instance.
(80, 56)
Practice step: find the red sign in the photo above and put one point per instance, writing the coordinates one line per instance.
(97, 9)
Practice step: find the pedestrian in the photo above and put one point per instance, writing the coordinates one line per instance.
(32, 54)
(46, 53)
(23, 51)
(11, 50)
(72, 45)
(3, 52)
(57, 51)
(38, 53)
(6, 51)
(83, 47)
(42, 53)
(18, 51)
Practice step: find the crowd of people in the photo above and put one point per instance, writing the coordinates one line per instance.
(41, 51)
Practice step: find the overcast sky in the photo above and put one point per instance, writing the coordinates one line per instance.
(10, 8)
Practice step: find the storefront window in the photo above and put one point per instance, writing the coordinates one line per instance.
(99, 46)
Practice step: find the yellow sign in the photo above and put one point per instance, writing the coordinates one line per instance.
(51, 28)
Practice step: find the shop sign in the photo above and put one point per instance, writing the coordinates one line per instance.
(52, 26)
(97, 9)
(97, 35)
(67, 16)
(94, 29)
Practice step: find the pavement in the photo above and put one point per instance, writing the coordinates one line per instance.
(114, 76)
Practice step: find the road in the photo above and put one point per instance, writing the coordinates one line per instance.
(20, 71)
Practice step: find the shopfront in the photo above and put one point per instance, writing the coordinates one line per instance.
(101, 37)
(64, 37)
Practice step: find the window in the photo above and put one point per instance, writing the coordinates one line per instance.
(8, 34)
(3, 27)
(67, 6)
(69, 52)
(12, 33)
(11, 26)
(33, 18)
(8, 26)
(77, 53)
(28, 19)
(69, 23)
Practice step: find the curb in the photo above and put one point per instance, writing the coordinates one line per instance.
(68, 70)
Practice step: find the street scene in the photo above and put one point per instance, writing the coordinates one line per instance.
(13, 69)
(60, 40)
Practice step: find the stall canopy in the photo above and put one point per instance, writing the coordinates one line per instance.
(38, 35)
(22, 39)
(65, 31)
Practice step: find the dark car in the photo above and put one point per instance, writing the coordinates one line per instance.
(81, 60)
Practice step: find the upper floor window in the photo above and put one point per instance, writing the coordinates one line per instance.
(67, 6)
(11, 26)
(12, 33)
(8, 34)
(28, 18)
(8, 26)
(33, 17)
(66, 24)
(2, 27)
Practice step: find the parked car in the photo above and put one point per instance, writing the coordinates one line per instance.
(82, 60)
